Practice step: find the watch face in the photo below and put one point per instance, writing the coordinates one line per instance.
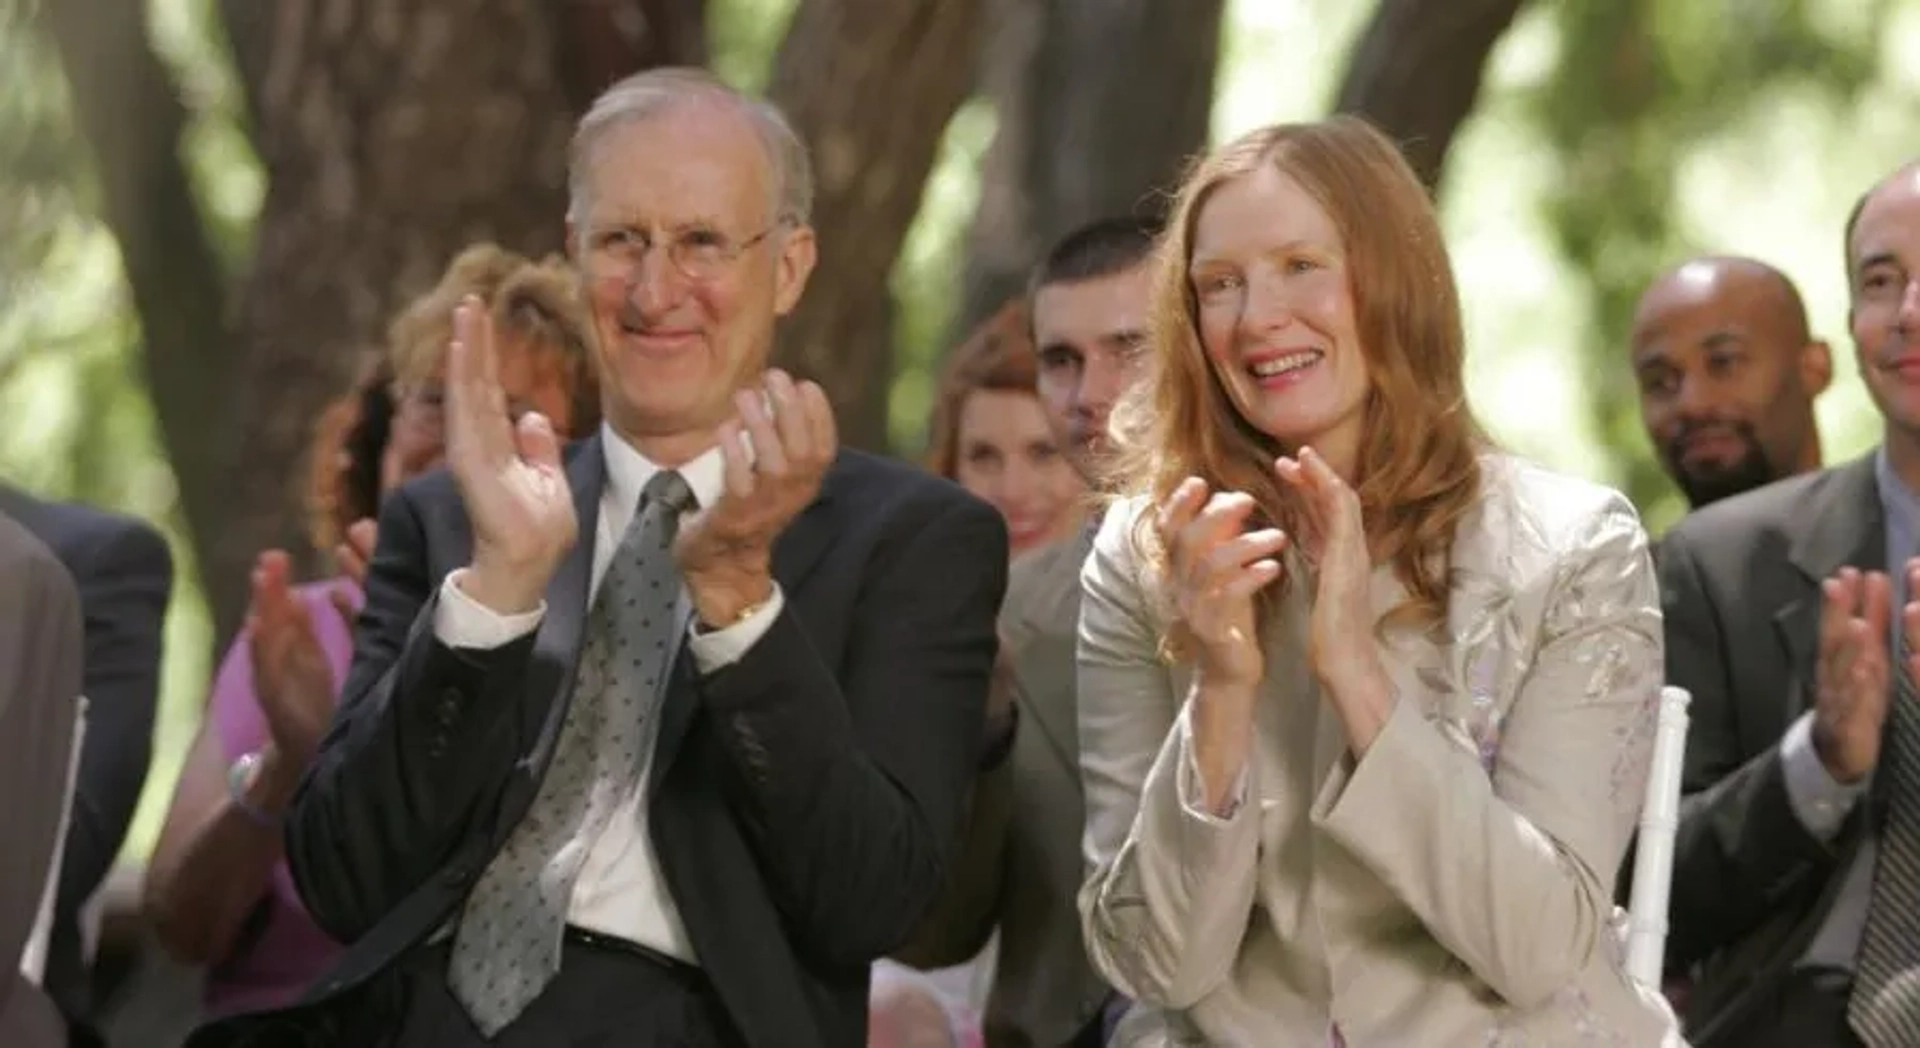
(240, 781)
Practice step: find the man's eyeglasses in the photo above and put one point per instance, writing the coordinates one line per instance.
(701, 255)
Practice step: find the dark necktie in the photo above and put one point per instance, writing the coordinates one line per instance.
(507, 946)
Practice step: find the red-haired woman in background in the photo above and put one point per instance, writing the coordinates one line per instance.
(990, 434)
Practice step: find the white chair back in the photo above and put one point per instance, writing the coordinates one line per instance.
(33, 959)
(1653, 854)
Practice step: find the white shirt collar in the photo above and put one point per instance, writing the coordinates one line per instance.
(628, 471)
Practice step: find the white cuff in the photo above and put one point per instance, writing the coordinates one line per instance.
(724, 647)
(459, 621)
(1819, 801)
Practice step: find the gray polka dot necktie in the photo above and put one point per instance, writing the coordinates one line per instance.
(1884, 1008)
(507, 945)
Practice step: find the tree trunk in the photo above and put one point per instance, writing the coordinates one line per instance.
(392, 135)
(604, 40)
(1100, 104)
(870, 86)
(1416, 72)
(132, 118)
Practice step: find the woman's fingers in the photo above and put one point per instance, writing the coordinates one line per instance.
(1224, 516)
(1251, 579)
(1228, 556)
(1327, 497)
(1178, 511)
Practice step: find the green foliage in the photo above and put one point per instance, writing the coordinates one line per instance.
(39, 153)
(75, 418)
(227, 178)
(1640, 88)
(743, 36)
(926, 277)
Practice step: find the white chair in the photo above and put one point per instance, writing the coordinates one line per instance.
(1653, 855)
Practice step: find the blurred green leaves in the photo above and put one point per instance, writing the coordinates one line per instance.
(1639, 86)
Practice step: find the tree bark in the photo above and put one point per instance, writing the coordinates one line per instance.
(1416, 72)
(132, 118)
(604, 40)
(1100, 104)
(870, 85)
(392, 136)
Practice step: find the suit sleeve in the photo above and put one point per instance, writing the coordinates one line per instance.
(854, 783)
(125, 584)
(1510, 864)
(419, 751)
(1739, 850)
(40, 680)
(1169, 887)
(963, 917)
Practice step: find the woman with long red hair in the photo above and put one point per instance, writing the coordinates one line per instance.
(1366, 705)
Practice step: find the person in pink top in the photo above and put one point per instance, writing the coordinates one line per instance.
(218, 891)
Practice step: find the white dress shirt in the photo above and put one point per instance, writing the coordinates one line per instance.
(621, 891)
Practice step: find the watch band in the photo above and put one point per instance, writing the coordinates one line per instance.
(703, 626)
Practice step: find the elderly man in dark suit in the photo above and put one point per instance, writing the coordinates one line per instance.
(664, 740)
(125, 576)
(1797, 868)
(40, 646)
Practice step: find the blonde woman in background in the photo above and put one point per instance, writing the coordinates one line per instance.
(218, 891)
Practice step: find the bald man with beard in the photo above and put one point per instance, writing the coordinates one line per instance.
(1728, 370)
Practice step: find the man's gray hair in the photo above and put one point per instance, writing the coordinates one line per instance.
(654, 91)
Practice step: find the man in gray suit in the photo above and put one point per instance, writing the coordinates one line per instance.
(39, 698)
(1797, 861)
(124, 574)
(1021, 869)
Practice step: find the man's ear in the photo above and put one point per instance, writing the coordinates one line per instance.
(798, 253)
(1816, 367)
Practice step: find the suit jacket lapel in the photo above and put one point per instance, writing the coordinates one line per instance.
(795, 553)
(1044, 663)
(1840, 526)
(799, 547)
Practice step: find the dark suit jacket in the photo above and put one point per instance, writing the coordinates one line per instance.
(39, 697)
(804, 801)
(125, 577)
(1740, 583)
(1021, 869)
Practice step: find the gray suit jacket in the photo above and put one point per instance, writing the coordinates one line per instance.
(1740, 586)
(39, 696)
(1453, 886)
(1021, 868)
(124, 575)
